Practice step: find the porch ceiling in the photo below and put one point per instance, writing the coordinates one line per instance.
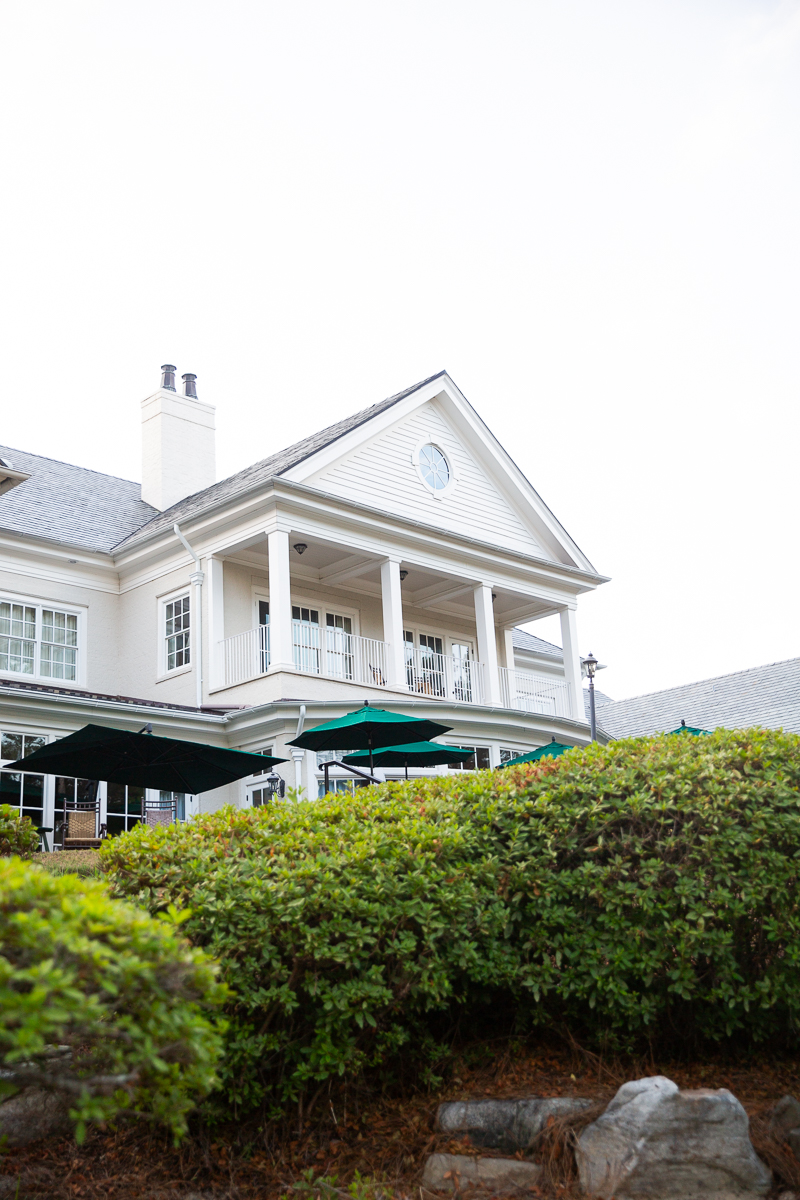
(326, 564)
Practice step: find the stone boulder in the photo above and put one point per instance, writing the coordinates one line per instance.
(33, 1114)
(654, 1141)
(448, 1172)
(785, 1123)
(505, 1124)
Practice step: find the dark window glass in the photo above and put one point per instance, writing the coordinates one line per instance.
(33, 743)
(116, 798)
(263, 612)
(478, 760)
(11, 747)
(10, 787)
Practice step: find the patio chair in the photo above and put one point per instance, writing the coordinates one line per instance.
(160, 812)
(81, 828)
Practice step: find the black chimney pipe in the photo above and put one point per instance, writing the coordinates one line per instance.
(190, 386)
(168, 377)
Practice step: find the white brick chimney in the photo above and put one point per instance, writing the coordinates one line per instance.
(177, 442)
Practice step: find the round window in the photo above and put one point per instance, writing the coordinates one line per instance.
(433, 468)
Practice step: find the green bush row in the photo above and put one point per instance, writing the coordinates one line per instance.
(121, 991)
(644, 889)
(17, 833)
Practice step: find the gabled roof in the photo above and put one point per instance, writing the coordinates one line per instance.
(268, 468)
(65, 503)
(768, 696)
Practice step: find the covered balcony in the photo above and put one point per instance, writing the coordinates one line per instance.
(318, 609)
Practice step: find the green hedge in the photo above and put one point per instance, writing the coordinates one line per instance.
(17, 833)
(123, 991)
(644, 889)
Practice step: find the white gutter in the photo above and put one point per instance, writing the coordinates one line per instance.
(195, 643)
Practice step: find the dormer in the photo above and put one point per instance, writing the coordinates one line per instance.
(9, 477)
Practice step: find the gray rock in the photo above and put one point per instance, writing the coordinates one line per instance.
(446, 1172)
(785, 1118)
(505, 1124)
(33, 1114)
(656, 1141)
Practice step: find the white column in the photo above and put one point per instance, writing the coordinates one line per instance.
(392, 598)
(280, 603)
(572, 662)
(487, 643)
(216, 624)
(298, 757)
(509, 691)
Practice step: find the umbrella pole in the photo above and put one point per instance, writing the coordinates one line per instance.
(371, 764)
(325, 769)
(406, 766)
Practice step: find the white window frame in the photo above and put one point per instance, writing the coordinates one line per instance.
(322, 606)
(40, 603)
(434, 440)
(163, 601)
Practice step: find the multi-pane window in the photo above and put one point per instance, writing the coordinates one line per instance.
(23, 791)
(480, 760)
(38, 641)
(59, 644)
(124, 807)
(177, 619)
(506, 754)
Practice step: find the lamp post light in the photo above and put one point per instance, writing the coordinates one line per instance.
(591, 666)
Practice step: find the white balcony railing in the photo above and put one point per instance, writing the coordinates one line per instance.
(534, 693)
(443, 676)
(246, 655)
(321, 650)
(316, 650)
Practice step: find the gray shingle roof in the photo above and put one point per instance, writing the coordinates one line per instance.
(70, 504)
(527, 641)
(267, 468)
(768, 696)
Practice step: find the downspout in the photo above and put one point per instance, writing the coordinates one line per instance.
(196, 578)
(297, 754)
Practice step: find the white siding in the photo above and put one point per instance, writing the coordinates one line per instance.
(382, 473)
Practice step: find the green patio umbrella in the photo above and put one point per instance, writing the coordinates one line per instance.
(140, 759)
(419, 754)
(551, 750)
(692, 729)
(367, 728)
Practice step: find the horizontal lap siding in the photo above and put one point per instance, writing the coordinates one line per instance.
(382, 473)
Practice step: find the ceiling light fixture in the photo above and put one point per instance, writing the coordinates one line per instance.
(300, 547)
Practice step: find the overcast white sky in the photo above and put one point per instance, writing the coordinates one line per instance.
(586, 212)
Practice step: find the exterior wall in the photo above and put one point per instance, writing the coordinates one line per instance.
(140, 613)
(101, 626)
(383, 472)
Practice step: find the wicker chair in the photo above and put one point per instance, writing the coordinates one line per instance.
(161, 811)
(81, 828)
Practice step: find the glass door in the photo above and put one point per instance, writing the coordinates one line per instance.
(306, 638)
(338, 646)
(431, 661)
(462, 673)
(263, 641)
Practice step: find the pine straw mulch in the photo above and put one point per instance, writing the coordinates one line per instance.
(382, 1141)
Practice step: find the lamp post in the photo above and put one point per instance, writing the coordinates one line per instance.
(591, 666)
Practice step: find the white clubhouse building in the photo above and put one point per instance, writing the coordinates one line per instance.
(387, 558)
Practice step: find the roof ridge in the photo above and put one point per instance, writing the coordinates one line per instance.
(75, 466)
(318, 438)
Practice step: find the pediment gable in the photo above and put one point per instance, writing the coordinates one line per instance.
(488, 499)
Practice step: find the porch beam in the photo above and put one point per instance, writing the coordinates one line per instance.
(350, 568)
(427, 597)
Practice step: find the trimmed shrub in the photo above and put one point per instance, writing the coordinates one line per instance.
(647, 889)
(339, 924)
(17, 833)
(124, 992)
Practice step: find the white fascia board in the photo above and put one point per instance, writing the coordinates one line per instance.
(21, 554)
(297, 507)
(470, 722)
(65, 712)
(500, 467)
